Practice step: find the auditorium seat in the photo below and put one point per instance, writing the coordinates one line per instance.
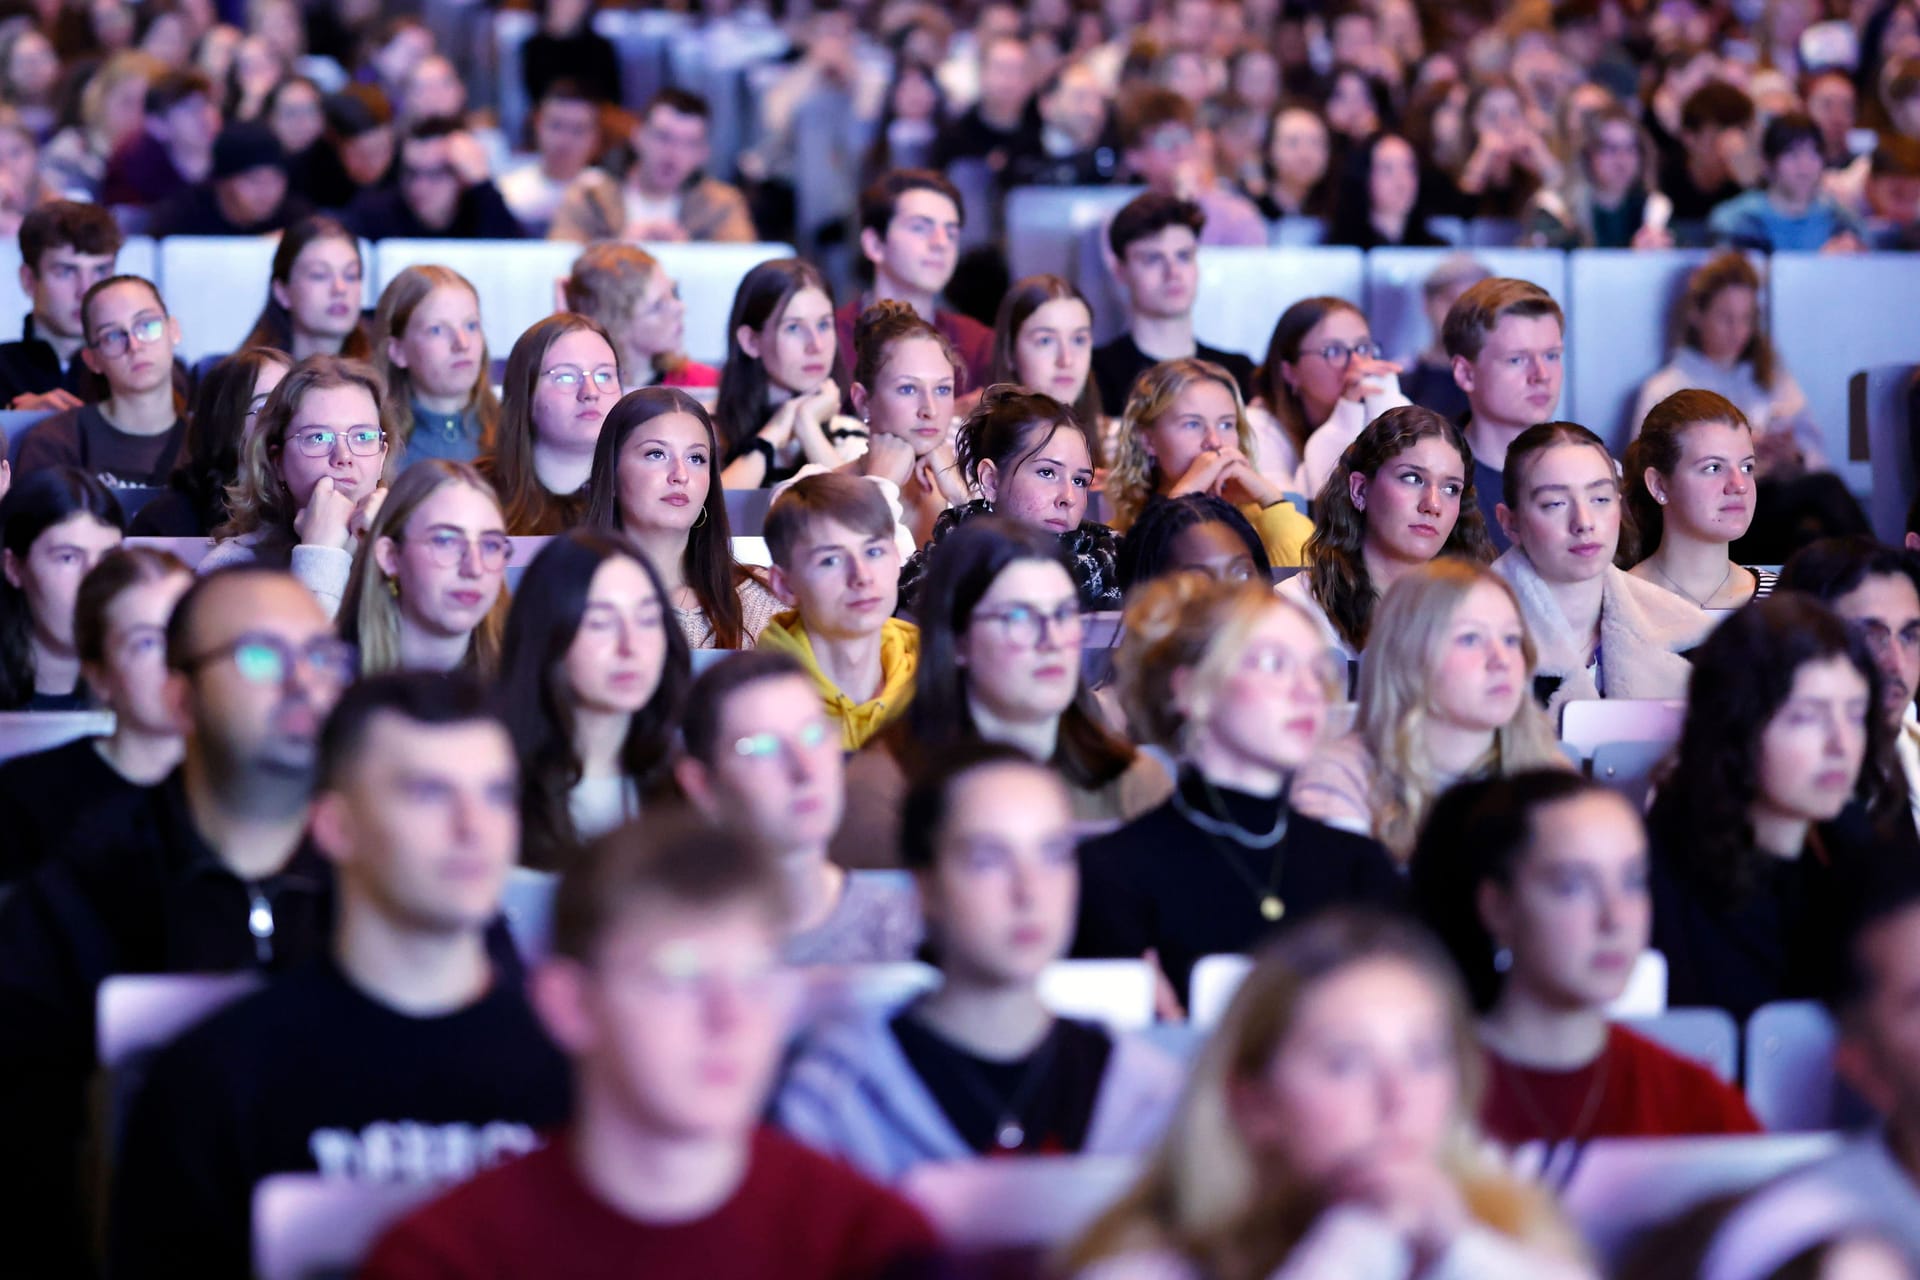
(190, 550)
(1877, 414)
(138, 1013)
(24, 732)
(514, 278)
(1394, 302)
(1045, 226)
(1587, 722)
(709, 275)
(15, 423)
(1617, 303)
(1019, 1202)
(1708, 1036)
(1791, 1084)
(1118, 993)
(1629, 767)
(1243, 291)
(747, 511)
(308, 1227)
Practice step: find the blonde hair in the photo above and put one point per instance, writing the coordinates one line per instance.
(370, 605)
(606, 283)
(398, 301)
(258, 498)
(1186, 622)
(128, 64)
(1396, 686)
(1135, 477)
(1209, 1195)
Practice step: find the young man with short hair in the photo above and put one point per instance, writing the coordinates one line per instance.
(999, 121)
(665, 989)
(1790, 213)
(1506, 339)
(910, 235)
(441, 191)
(666, 195)
(566, 135)
(65, 249)
(245, 194)
(210, 874)
(133, 436)
(763, 757)
(1714, 161)
(174, 147)
(1155, 243)
(407, 1054)
(1160, 143)
(836, 566)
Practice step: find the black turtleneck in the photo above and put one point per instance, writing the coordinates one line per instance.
(1163, 882)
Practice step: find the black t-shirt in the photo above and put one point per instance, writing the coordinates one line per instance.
(1117, 364)
(313, 1075)
(44, 796)
(84, 438)
(1051, 1091)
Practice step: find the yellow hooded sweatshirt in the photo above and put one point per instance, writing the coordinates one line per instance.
(859, 721)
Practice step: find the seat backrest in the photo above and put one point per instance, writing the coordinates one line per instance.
(1244, 291)
(15, 423)
(1018, 1201)
(1585, 723)
(1211, 988)
(1621, 1187)
(747, 511)
(190, 550)
(1877, 413)
(528, 906)
(1617, 302)
(1628, 767)
(709, 275)
(1791, 1084)
(513, 278)
(306, 1227)
(1116, 993)
(1646, 990)
(22, 733)
(216, 287)
(1708, 1036)
(1045, 224)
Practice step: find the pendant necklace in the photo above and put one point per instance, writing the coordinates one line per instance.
(1217, 826)
(1008, 1133)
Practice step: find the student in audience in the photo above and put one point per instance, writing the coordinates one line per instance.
(1197, 533)
(1162, 145)
(294, 111)
(593, 679)
(1507, 159)
(133, 435)
(566, 140)
(1238, 683)
(174, 146)
(1600, 631)
(762, 758)
(1443, 695)
(111, 112)
(1298, 157)
(1401, 495)
(1377, 205)
(229, 397)
(207, 873)
(65, 249)
(666, 195)
(1030, 459)
(1001, 118)
(314, 296)
(1071, 148)
(356, 154)
(1869, 1182)
(665, 990)
(780, 387)
(1328, 1130)
(1783, 731)
(979, 1066)
(310, 480)
(119, 629)
(1718, 344)
(836, 566)
(625, 290)
(1043, 341)
(441, 191)
(1791, 213)
(1506, 340)
(567, 45)
(1611, 198)
(910, 236)
(1427, 379)
(319, 1072)
(431, 352)
(906, 377)
(1537, 883)
(428, 587)
(1716, 158)
(1001, 634)
(1185, 431)
(55, 525)
(1155, 241)
(562, 378)
(245, 191)
(653, 480)
(1690, 492)
(1323, 380)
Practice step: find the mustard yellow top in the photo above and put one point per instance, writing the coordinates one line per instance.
(1283, 531)
(859, 721)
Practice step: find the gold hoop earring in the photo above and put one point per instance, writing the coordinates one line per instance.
(393, 587)
(702, 517)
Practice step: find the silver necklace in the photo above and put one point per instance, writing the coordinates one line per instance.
(1225, 826)
(1688, 595)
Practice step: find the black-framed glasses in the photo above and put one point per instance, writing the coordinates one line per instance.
(1025, 624)
(264, 658)
(116, 341)
(1340, 354)
(568, 377)
(448, 547)
(318, 442)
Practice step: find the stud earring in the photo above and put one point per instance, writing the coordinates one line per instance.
(1502, 960)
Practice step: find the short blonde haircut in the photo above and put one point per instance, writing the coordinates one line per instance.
(258, 498)
(1135, 477)
(370, 605)
(1396, 698)
(398, 301)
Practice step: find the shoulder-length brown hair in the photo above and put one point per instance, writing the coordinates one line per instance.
(1023, 299)
(398, 301)
(274, 328)
(530, 508)
(1283, 347)
(1729, 270)
(1662, 436)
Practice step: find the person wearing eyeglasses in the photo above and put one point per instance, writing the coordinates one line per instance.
(428, 587)
(311, 469)
(441, 191)
(209, 873)
(360, 1066)
(1324, 379)
(630, 294)
(562, 379)
(763, 757)
(133, 436)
